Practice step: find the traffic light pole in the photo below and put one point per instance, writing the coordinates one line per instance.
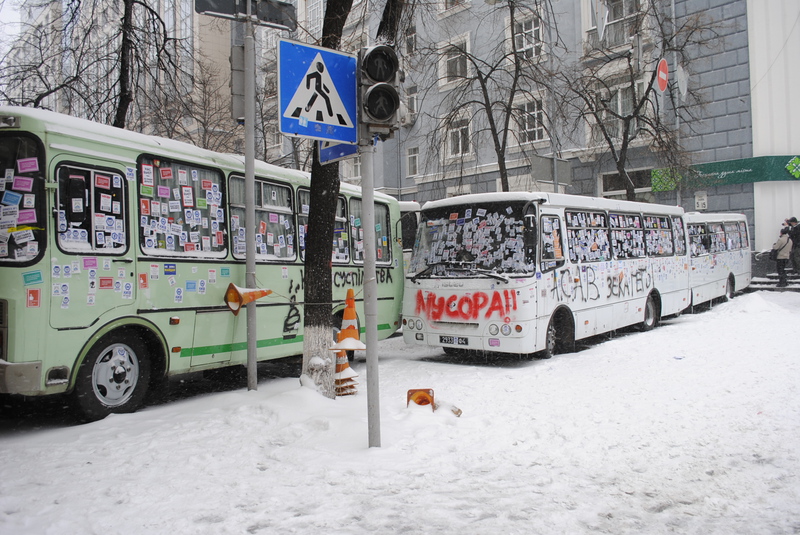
(249, 184)
(370, 295)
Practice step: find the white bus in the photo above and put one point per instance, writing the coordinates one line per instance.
(116, 249)
(534, 272)
(720, 258)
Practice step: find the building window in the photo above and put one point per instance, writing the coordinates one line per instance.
(613, 185)
(530, 117)
(458, 138)
(612, 108)
(528, 37)
(621, 24)
(411, 100)
(412, 161)
(356, 167)
(456, 63)
(411, 40)
(450, 4)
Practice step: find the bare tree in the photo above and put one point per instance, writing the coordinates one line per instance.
(494, 86)
(613, 89)
(92, 59)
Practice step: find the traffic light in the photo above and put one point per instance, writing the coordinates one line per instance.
(380, 101)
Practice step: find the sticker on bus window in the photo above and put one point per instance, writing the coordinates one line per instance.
(147, 175)
(103, 182)
(188, 196)
(163, 191)
(182, 177)
(28, 165)
(166, 173)
(11, 198)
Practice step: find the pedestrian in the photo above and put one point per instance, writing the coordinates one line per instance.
(784, 248)
(794, 235)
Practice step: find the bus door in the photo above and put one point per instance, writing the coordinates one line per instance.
(92, 268)
(549, 292)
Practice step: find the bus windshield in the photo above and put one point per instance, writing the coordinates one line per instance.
(469, 240)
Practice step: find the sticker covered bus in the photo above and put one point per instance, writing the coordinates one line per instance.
(719, 255)
(116, 249)
(531, 273)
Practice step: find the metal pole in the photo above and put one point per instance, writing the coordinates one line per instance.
(370, 295)
(250, 181)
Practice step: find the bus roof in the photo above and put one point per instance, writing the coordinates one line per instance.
(556, 199)
(703, 217)
(102, 135)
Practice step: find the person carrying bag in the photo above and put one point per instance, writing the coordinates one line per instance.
(780, 252)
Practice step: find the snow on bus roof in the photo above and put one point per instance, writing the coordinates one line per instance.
(558, 199)
(67, 125)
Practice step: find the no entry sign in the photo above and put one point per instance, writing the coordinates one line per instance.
(662, 75)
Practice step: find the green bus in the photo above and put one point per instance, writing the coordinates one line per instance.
(116, 249)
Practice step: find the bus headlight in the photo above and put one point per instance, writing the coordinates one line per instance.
(410, 324)
(505, 329)
(419, 325)
(493, 329)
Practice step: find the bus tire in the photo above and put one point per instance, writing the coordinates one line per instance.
(113, 378)
(560, 336)
(651, 314)
(730, 287)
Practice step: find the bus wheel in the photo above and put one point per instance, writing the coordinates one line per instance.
(113, 378)
(730, 288)
(650, 314)
(560, 336)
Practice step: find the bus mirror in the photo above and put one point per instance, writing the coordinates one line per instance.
(76, 196)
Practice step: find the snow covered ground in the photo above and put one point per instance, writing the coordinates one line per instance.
(691, 428)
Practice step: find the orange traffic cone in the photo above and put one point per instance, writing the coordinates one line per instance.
(236, 297)
(345, 384)
(348, 340)
(349, 317)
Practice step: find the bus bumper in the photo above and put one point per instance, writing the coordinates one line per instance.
(20, 378)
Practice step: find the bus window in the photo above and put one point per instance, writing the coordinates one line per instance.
(274, 225)
(743, 235)
(382, 231)
(181, 209)
(627, 236)
(734, 240)
(716, 238)
(679, 236)
(22, 211)
(698, 240)
(92, 210)
(587, 236)
(552, 246)
(341, 241)
(658, 237)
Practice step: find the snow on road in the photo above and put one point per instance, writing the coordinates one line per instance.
(691, 428)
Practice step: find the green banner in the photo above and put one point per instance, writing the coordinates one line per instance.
(744, 171)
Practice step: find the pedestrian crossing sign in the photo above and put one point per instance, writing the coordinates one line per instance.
(317, 92)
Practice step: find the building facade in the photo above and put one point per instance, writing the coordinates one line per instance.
(731, 83)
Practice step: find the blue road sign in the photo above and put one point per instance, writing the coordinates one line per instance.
(333, 152)
(317, 92)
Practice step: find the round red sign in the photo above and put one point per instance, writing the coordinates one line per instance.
(662, 75)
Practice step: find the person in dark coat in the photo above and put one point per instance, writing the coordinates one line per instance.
(794, 235)
(784, 248)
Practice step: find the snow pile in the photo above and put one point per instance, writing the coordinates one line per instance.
(690, 428)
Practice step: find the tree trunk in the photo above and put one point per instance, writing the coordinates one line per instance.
(125, 63)
(319, 363)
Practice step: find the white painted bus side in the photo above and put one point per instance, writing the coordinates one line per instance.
(719, 254)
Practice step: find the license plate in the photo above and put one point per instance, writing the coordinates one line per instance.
(454, 340)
